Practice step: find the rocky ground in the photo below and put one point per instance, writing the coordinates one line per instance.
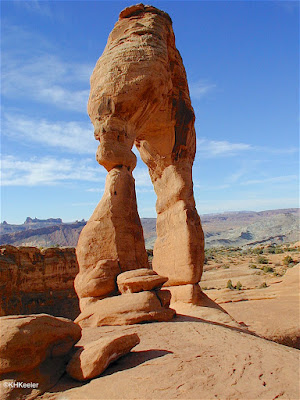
(190, 358)
(258, 287)
(205, 353)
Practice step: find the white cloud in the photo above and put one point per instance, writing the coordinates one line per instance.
(249, 204)
(200, 88)
(35, 6)
(275, 179)
(142, 177)
(75, 137)
(45, 78)
(46, 171)
(95, 190)
(214, 148)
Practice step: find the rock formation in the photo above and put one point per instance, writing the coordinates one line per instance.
(139, 96)
(38, 281)
(139, 280)
(34, 349)
(127, 309)
(92, 359)
(190, 358)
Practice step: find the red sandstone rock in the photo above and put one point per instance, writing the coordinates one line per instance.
(112, 241)
(38, 281)
(139, 280)
(139, 95)
(34, 348)
(126, 309)
(91, 360)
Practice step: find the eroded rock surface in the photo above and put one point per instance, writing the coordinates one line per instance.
(126, 309)
(34, 348)
(93, 358)
(139, 280)
(38, 281)
(190, 358)
(139, 95)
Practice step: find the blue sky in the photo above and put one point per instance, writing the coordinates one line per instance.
(241, 59)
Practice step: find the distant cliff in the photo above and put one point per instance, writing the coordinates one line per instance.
(38, 281)
(224, 229)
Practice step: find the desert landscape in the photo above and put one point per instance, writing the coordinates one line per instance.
(177, 307)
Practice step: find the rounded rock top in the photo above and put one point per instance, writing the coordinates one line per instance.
(139, 9)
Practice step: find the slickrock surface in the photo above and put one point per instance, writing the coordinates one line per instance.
(139, 95)
(92, 359)
(139, 280)
(126, 309)
(274, 312)
(34, 348)
(189, 358)
(38, 281)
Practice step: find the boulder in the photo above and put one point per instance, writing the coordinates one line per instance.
(139, 280)
(34, 348)
(126, 309)
(92, 359)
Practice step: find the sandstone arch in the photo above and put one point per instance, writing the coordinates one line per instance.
(139, 95)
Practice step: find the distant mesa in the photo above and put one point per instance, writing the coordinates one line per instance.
(41, 221)
(229, 229)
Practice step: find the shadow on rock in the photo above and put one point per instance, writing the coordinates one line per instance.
(135, 358)
(131, 360)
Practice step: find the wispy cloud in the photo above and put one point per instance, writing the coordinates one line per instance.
(75, 137)
(142, 178)
(95, 190)
(214, 148)
(46, 79)
(274, 179)
(35, 6)
(222, 148)
(249, 204)
(200, 88)
(46, 171)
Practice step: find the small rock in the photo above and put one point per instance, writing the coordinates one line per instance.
(139, 280)
(95, 357)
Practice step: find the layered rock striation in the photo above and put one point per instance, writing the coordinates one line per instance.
(38, 281)
(139, 96)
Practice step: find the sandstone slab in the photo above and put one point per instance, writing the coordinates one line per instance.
(91, 360)
(126, 309)
(34, 348)
(273, 312)
(139, 280)
(190, 358)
